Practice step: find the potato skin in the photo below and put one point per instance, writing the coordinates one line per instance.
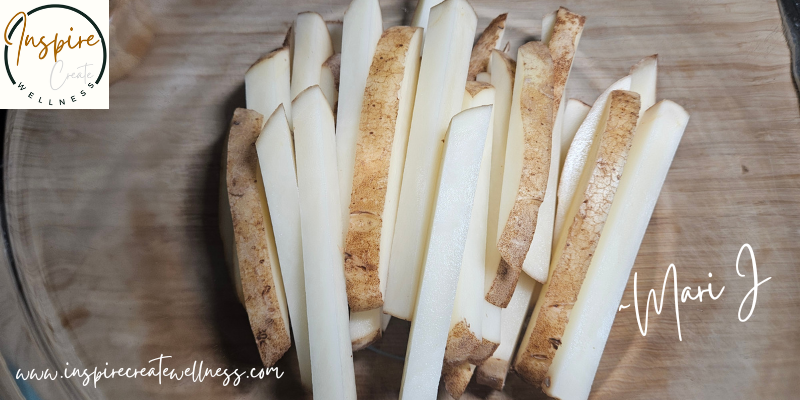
(482, 51)
(492, 373)
(456, 377)
(536, 109)
(249, 227)
(533, 361)
(567, 28)
(371, 173)
(461, 343)
(482, 352)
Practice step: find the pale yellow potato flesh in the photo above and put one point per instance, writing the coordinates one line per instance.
(552, 311)
(465, 322)
(275, 149)
(333, 374)
(329, 80)
(262, 285)
(454, 201)
(310, 47)
(575, 112)
(267, 84)
(439, 96)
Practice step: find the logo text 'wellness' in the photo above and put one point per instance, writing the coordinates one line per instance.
(55, 55)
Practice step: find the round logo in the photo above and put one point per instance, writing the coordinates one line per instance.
(55, 55)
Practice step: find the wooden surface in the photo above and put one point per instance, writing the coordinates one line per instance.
(112, 215)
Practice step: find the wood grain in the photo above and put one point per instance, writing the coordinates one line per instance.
(112, 215)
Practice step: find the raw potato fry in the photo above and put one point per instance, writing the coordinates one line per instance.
(490, 332)
(643, 81)
(584, 145)
(288, 42)
(456, 378)
(454, 202)
(503, 80)
(657, 137)
(422, 13)
(465, 322)
(311, 46)
(385, 319)
(527, 164)
(379, 157)
(333, 375)
(267, 84)
(329, 80)
(552, 311)
(439, 96)
(574, 164)
(490, 39)
(255, 244)
(365, 328)
(484, 77)
(548, 22)
(563, 43)
(493, 371)
(362, 28)
(335, 29)
(574, 113)
(275, 151)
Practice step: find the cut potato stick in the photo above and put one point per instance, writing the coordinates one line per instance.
(527, 163)
(563, 44)
(492, 372)
(262, 284)
(551, 314)
(575, 171)
(311, 46)
(575, 161)
(465, 322)
(365, 328)
(335, 29)
(456, 378)
(574, 113)
(482, 51)
(657, 137)
(329, 80)
(548, 22)
(422, 13)
(643, 81)
(379, 155)
(484, 77)
(267, 84)
(503, 80)
(363, 26)
(275, 150)
(461, 166)
(288, 42)
(385, 319)
(490, 333)
(333, 375)
(439, 96)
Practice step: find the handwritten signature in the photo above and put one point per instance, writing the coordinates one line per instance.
(686, 293)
